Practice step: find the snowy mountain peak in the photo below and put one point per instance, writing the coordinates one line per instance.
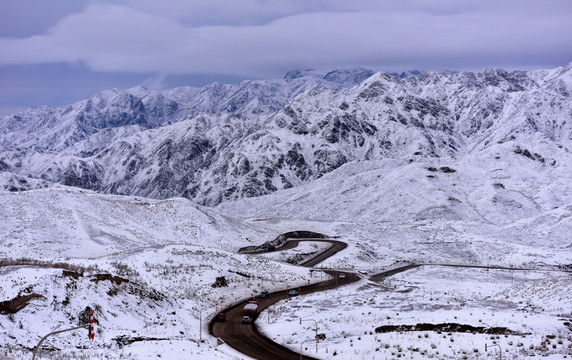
(263, 136)
(351, 76)
(406, 73)
(295, 74)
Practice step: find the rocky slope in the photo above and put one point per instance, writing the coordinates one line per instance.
(226, 142)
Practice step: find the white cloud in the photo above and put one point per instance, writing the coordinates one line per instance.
(156, 82)
(151, 37)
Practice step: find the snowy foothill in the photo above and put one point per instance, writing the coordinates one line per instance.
(159, 294)
(164, 256)
(351, 317)
(147, 268)
(73, 223)
(172, 252)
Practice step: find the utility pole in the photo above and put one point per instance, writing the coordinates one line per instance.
(500, 350)
(315, 329)
(201, 325)
(86, 326)
(268, 309)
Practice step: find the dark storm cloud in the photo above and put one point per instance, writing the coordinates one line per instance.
(22, 18)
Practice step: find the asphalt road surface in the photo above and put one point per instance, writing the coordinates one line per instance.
(246, 338)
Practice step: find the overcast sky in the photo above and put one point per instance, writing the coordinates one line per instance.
(59, 51)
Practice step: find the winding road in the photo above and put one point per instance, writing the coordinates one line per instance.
(249, 341)
(246, 338)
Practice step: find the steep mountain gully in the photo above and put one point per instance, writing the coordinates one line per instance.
(249, 341)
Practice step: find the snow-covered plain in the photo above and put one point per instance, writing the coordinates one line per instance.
(349, 316)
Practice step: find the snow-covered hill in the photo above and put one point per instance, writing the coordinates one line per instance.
(145, 267)
(76, 223)
(496, 188)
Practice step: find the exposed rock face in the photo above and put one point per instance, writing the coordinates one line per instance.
(224, 142)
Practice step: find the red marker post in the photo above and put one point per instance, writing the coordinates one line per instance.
(91, 326)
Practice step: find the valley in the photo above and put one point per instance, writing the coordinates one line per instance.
(447, 194)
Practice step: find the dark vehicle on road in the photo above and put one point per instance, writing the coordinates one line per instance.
(263, 294)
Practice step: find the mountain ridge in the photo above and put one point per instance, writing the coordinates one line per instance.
(264, 136)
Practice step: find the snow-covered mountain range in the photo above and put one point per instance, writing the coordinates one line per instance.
(435, 168)
(226, 142)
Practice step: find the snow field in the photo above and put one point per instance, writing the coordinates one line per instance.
(178, 249)
(169, 297)
(81, 224)
(349, 315)
(167, 349)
